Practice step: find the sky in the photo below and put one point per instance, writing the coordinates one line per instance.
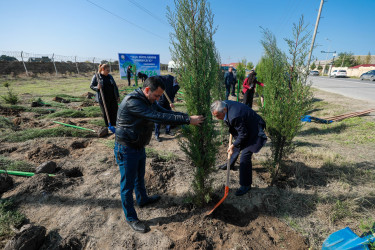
(93, 28)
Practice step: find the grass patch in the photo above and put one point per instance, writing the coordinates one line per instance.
(5, 124)
(9, 217)
(71, 113)
(109, 143)
(341, 210)
(11, 165)
(361, 131)
(71, 98)
(26, 109)
(153, 153)
(30, 134)
(98, 122)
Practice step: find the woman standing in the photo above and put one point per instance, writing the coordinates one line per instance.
(110, 91)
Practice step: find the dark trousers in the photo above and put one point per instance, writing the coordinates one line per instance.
(227, 92)
(246, 175)
(112, 108)
(248, 98)
(129, 80)
(233, 88)
(132, 164)
(157, 129)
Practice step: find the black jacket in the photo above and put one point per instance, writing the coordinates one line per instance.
(245, 125)
(169, 89)
(136, 117)
(94, 86)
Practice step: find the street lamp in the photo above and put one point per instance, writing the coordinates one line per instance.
(333, 60)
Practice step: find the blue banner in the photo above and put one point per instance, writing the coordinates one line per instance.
(145, 63)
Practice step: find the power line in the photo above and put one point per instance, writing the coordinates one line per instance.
(148, 12)
(123, 19)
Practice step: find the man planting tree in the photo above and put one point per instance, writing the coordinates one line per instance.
(246, 126)
(135, 120)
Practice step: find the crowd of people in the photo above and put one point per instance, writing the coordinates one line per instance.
(146, 108)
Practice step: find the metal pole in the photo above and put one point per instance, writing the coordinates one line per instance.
(315, 30)
(330, 68)
(53, 60)
(75, 59)
(93, 63)
(24, 65)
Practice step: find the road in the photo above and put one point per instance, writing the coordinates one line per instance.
(354, 88)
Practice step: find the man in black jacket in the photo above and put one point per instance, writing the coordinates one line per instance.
(171, 88)
(246, 126)
(135, 120)
(230, 81)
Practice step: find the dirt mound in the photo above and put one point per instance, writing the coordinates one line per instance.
(47, 152)
(79, 144)
(6, 182)
(43, 183)
(160, 175)
(256, 232)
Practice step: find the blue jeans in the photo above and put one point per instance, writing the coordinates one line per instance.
(157, 129)
(132, 164)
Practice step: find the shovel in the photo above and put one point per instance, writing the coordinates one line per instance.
(226, 192)
(110, 127)
(347, 239)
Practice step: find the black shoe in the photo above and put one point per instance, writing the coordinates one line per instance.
(137, 226)
(224, 167)
(233, 95)
(158, 138)
(150, 200)
(242, 190)
(169, 133)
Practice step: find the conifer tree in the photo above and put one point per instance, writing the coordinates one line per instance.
(194, 51)
(287, 96)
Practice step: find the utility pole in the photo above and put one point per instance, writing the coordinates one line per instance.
(313, 40)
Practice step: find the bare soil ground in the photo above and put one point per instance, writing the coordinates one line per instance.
(82, 203)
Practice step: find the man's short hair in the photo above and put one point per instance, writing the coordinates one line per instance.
(219, 106)
(154, 83)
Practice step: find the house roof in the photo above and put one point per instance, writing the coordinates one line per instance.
(362, 65)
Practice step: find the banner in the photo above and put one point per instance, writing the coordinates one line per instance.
(146, 63)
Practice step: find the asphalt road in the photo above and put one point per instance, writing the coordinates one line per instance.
(354, 88)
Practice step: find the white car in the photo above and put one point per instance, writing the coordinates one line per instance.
(338, 73)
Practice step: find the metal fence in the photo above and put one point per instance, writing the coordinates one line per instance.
(10, 61)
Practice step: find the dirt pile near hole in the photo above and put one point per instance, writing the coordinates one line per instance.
(47, 152)
(43, 183)
(160, 175)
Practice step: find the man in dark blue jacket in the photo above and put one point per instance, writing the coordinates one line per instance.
(171, 88)
(135, 120)
(246, 126)
(230, 81)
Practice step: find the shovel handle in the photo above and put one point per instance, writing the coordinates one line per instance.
(228, 160)
(102, 95)
(169, 100)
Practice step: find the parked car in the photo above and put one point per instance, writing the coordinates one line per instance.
(314, 73)
(338, 73)
(370, 75)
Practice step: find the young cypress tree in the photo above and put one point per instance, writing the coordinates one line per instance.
(287, 96)
(194, 50)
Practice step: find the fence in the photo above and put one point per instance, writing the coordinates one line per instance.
(18, 62)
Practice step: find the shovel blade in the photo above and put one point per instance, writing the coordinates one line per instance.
(221, 201)
(346, 239)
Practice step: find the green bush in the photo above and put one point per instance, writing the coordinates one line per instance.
(10, 97)
(8, 164)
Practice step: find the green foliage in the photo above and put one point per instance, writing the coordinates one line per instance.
(8, 164)
(97, 122)
(30, 134)
(9, 217)
(313, 66)
(345, 59)
(194, 50)
(87, 112)
(320, 67)
(340, 210)
(287, 96)
(5, 124)
(359, 60)
(368, 58)
(10, 97)
(8, 58)
(241, 72)
(250, 65)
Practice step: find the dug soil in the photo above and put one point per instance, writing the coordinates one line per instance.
(82, 204)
